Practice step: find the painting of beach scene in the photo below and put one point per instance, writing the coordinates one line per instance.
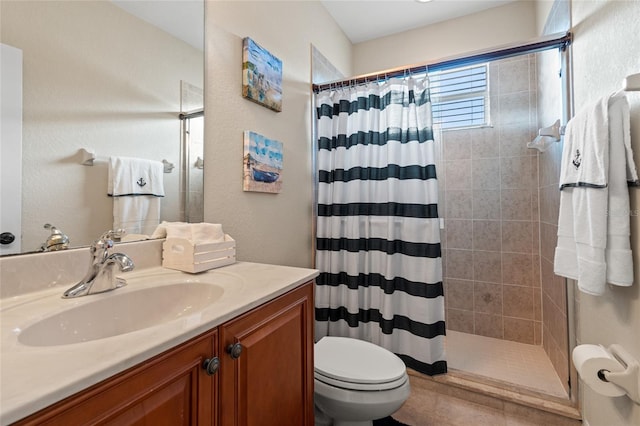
(262, 163)
(261, 75)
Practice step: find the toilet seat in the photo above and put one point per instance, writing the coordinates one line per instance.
(358, 365)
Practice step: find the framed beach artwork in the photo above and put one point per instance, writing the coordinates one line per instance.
(261, 75)
(262, 164)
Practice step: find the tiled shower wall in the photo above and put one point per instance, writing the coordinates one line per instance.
(489, 189)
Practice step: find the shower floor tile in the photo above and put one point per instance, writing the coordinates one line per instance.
(516, 363)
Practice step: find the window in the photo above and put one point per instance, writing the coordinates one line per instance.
(460, 97)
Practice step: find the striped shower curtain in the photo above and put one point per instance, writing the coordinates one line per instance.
(378, 236)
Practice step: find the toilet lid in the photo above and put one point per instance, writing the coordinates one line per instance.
(347, 360)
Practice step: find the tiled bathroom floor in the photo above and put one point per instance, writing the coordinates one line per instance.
(517, 363)
(432, 407)
(443, 403)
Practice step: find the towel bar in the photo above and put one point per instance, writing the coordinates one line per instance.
(87, 158)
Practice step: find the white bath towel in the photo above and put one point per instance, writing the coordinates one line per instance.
(593, 226)
(618, 254)
(136, 214)
(136, 186)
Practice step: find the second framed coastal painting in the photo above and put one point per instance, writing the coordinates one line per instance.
(261, 75)
(262, 164)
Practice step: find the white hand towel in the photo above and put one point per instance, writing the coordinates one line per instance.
(135, 176)
(135, 186)
(585, 154)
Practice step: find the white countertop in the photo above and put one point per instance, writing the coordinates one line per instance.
(34, 377)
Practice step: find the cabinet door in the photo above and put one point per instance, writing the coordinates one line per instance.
(270, 383)
(171, 389)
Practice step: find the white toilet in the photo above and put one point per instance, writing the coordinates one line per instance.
(357, 382)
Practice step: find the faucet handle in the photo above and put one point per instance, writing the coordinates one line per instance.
(118, 233)
(56, 241)
(106, 239)
(104, 243)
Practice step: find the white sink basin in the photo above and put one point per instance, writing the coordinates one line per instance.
(119, 312)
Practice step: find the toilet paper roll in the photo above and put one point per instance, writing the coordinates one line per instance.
(589, 360)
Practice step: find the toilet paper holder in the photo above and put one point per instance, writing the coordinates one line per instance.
(629, 378)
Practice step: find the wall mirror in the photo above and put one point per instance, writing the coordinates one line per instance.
(116, 78)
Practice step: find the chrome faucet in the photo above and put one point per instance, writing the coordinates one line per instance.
(101, 277)
(56, 241)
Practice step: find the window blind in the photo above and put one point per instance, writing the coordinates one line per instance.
(460, 97)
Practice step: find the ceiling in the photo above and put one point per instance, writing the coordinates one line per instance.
(363, 20)
(184, 19)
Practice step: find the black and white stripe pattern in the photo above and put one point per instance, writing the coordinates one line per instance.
(378, 236)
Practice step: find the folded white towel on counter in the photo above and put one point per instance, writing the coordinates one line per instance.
(135, 176)
(196, 233)
(179, 230)
(206, 233)
(594, 222)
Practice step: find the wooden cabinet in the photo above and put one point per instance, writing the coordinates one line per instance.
(169, 389)
(271, 381)
(267, 379)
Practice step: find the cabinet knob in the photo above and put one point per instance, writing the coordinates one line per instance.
(7, 238)
(234, 350)
(211, 365)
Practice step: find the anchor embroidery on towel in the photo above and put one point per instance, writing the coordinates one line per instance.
(141, 182)
(577, 160)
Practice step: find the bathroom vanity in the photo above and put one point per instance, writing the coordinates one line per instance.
(244, 357)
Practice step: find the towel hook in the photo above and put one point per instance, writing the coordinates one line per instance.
(199, 163)
(87, 157)
(167, 166)
(555, 130)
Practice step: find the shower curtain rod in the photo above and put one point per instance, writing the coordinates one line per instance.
(559, 40)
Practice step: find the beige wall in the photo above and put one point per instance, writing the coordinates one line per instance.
(85, 86)
(506, 24)
(271, 228)
(605, 50)
(543, 9)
